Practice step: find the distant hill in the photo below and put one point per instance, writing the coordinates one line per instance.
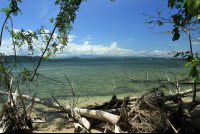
(11, 58)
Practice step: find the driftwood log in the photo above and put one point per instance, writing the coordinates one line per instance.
(92, 113)
(101, 115)
(125, 120)
(12, 119)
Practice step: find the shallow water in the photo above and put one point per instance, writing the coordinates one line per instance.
(98, 77)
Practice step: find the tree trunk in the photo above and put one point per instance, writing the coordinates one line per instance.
(101, 115)
(105, 115)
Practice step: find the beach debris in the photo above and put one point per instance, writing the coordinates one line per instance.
(118, 130)
(147, 114)
(132, 79)
(13, 118)
(106, 128)
(84, 127)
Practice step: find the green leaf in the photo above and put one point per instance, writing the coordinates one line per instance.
(168, 32)
(187, 52)
(175, 33)
(51, 20)
(196, 57)
(6, 27)
(195, 74)
(177, 55)
(195, 60)
(189, 59)
(184, 2)
(150, 22)
(44, 58)
(171, 3)
(198, 16)
(187, 64)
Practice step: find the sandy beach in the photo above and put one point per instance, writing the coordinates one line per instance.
(55, 119)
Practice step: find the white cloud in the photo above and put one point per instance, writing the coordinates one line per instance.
(43, 13)
(88, 38)
(7, 42)
(175, 45)
(16, 30)
(71, 38)
(158, 52)
(73, 49)
(43, 8)
(7, 47)
(197, 41)
(134, 25)
(129, 39)
(7, 51)
(161, 53)
(87, 49)
(113, 45)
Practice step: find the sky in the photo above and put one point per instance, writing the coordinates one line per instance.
(101, 28)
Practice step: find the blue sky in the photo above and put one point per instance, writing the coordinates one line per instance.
(101, 28)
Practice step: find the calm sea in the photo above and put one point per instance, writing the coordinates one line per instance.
(98, 78)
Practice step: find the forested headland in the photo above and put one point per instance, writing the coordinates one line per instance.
(11, 58)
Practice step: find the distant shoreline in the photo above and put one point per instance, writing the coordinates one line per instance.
(11, 58)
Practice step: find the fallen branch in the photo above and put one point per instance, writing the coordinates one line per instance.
(12, 119)
(128, 77)
(172, 126)
(113, 103)
(190, 105)
(180, 94)
(115, 119)
(101, 115)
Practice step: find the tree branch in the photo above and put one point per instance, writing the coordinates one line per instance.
(3, 27)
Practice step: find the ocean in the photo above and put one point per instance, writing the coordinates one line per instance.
(97, 78)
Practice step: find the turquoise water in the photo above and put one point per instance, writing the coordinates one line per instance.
(96, 76)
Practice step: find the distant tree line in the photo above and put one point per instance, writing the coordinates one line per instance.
(11, 58)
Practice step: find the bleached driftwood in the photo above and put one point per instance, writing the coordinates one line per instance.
(118, 130)
(11, 118)
(106, 128)
(101, 115)
(133, 79)
(68, 108)
(85, 122)
(180, 94)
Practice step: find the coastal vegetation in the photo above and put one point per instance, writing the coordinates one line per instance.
(187, 17)
(150, 112)
(11, 58)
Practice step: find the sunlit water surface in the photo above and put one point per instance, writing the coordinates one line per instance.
(98, 78)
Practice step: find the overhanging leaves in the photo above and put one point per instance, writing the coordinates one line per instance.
(194, 73)
(176, 34)
(177, 55)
